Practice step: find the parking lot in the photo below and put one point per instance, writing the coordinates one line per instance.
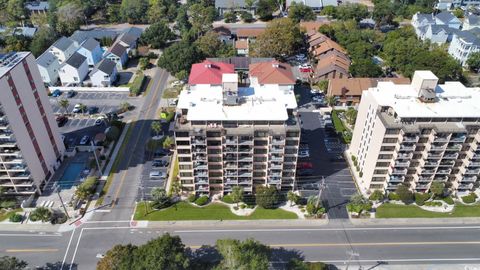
(97, 105)
(326, 155)
(147, 183)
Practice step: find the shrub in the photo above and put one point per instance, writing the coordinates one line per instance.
(41, 213)
(436, 204)
(87, 188)
(242, 206)
(230, 17)
(14, 217)
(448, 200)
(267, 197)
(471, 198)
(420, 198)
(246, 17)
(59, 218)
(235, 208)
(202, 200)
(227, 199)
(137, 84)
(160, 198)
(360, 174)
(377, 195)
(354, 159)
(9, 204)
(392, 196)
(192, 198)
(405, 194)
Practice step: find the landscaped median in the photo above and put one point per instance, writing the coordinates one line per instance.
(213, 211)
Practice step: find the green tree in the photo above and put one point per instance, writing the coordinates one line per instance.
(156, 127)
(365, 68)
(210, 46)
(12, 263)
(230, 17)
(162, 9)
(201, 17)
(292, 197)
(404, 193)
(281, 37)
(87, 188)
(329, 11)
(165, 252)
(63, 103)
(41, 213)
(237, 194)
(134, 11)
(143, 63)
(265, 9)
(323, 85)
(437, 188)
(113, 13)
(473, 61)
(119, 258)
(351, 115)
(246, 16)
(300, 12)
(180, 56)
(43, 38)
(113, 133)
(351, 11)
(377, 195)
(16, 43)
(383, 12)
(267, 197)
(157, 35)
(330, 100)
(458, 12)
(168, 142)
(249, 254)
(16, 10)
(69, 18)
(160, 199)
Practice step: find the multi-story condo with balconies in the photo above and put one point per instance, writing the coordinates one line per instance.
(237, 133)
(30, 144)
(417, 134)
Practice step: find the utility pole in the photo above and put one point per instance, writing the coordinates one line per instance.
(351, 255)
(57, 190)
(320, 190)
(96, 158)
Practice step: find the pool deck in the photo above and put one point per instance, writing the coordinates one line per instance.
(80, 157)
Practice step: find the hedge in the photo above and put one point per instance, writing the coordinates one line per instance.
(471, 198)
(137, 84)
(420, 198)
(227, 199)
(448, 200)
(201, 200)
(392, 196)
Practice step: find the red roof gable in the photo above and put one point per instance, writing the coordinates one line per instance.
(208, 72)
(272, 72)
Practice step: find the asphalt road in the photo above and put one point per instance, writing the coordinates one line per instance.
(123, 190)
(391, 245)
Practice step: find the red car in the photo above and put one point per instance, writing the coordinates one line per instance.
(306, 70)
(304, 165)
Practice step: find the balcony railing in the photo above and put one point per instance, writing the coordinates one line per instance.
(465, 186)
(447, 163)
(404, 155)
(428, 171)
(431, 163)
(407, 147)
(424, 178)
(451, 156)
(444, 171)
(474, 164)
(410, 138)
(454, 147)
(473, 171)
(441, 138)
(397, 179)
(437, 147)
(276, 150)
(440, 178)
(431, 155)
(458, 139)
(469, 179)
(421, 187)
(399, 171)
(402, 163)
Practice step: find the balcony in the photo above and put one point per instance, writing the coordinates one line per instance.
(201, 174)
(402, 163)
(276, 150)
(421, 187)
(230, 165)
(407, 147)
(450, 156)
(441, 138)
(454, 147)
(428, 171)
(199, 142)
(458, 138)
(246, 142)
(245, 150)
(437, 147)
(278, 142)
(231, 181)
(399, 171)
(200, 181)
(444, 171)
(396, 179)
(443, 178)
(472, 171)
(430, 163)
(21, 175)
(202, 189)
(465, 187)
(230, 149)
(230, 141)
(244, 174)
(404, 155)
(469, 179)
(434, 155)
(274, 181)
(276, 159)
(20, 167)
(423, 178)
(410, 139)
(447, 163)
(275, 166)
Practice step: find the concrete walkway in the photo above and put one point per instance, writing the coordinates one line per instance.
(413, 221)
(107, 170)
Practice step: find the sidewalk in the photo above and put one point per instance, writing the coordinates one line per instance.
(107, 169)
(414, 221)
(268, 223)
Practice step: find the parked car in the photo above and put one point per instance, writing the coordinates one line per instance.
(304, 146)
(304, 165)
(157, 175)
(303, 153)
(160, 163)
(61, 120)
(77, 108)
(71, 93)
(337, 158)
(56, 93)
(99, 121)
(317, 98)
(92, 110)
(173, 102)
(305, 172)
(85, 139)
(161, 152)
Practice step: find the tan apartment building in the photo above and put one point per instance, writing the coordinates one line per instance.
(418, 133)
(227, 135)
(30, 145)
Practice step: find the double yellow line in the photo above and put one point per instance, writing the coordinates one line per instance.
(31, 250)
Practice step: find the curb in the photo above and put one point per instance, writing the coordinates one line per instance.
(241, 223)
(413, 221)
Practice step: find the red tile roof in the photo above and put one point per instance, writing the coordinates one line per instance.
(208, 72)
(272, 72)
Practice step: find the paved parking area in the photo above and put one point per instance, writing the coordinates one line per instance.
(147, 184)
(324, 149)
(106, 102)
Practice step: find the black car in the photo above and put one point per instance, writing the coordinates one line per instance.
(61, 120)
(160, 163)
(71, 94)
(337, 158)
(161, 153)
(92, 110)
(305, 172)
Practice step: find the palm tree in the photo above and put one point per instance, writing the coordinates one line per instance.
(125, 106)
(351, 115)
(156, 127)
(83, 107)
(63, 103)
(331, 101)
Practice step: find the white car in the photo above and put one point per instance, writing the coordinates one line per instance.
(303, 154)
(175, 83)
(157, 175)
(317, 98)
(77, 108)
(99, 121)
(305, 66)
(84, 140)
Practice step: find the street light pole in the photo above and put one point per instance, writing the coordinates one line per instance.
(320, 190)
(96, 158)
(57, 190)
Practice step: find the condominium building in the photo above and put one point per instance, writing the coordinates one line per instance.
(227, 135)
(30, 144)
(417, 134)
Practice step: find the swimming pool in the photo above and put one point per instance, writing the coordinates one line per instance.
(70, 175)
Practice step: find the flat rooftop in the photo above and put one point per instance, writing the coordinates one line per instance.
(262, 103)
(453, 99)
(10, 60)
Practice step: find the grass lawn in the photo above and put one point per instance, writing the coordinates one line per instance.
(216, 211)
(172, 92)
(174, 175)
(4, 214)
(413, 211)
(340, 127)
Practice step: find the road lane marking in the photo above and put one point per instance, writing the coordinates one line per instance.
(68, 248)
(28, 235)
(406, 260)
(306, 245)
(122, 180)
(76, 248)
(32, 250)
